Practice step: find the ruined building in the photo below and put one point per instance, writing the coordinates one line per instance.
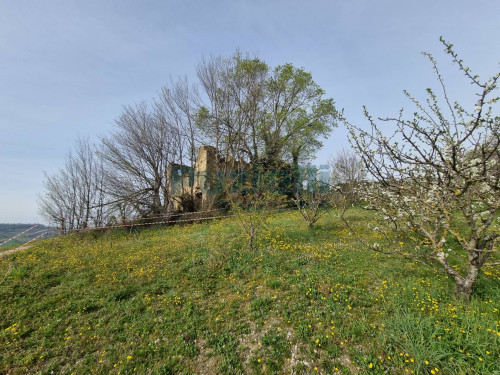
(192, 187)
(202, 181)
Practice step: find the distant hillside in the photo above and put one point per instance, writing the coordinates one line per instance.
(10, 230)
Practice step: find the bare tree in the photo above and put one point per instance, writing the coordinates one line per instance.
(178, 103)
(137, 155)
(438, 173)
(74, 197)
(252, 212)
(309, 206)
(347, 168)
(347, 177)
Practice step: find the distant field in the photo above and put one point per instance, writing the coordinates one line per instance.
(10, 230)
(193, 299)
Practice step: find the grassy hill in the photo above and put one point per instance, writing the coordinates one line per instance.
(193, 299)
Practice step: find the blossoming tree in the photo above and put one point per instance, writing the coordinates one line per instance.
(436, 179)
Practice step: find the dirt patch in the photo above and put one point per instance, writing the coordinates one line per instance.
(206, 362)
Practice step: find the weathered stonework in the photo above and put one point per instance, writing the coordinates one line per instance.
(196, 182)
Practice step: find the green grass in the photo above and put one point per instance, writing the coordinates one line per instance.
(193, 299)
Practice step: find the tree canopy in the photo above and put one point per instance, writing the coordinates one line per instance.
(263, 115)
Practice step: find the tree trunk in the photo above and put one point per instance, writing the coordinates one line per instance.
(465, 285)
(296, 188)
(251, 237)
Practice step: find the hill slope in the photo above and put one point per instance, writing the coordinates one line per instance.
(193, 299)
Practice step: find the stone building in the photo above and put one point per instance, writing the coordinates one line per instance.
(192, 187)
(204, 180)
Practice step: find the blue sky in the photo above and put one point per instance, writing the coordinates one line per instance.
(67, 67)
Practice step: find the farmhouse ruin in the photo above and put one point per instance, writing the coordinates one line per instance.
(192, 187)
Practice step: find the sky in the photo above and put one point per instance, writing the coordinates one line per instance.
(68, 67)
